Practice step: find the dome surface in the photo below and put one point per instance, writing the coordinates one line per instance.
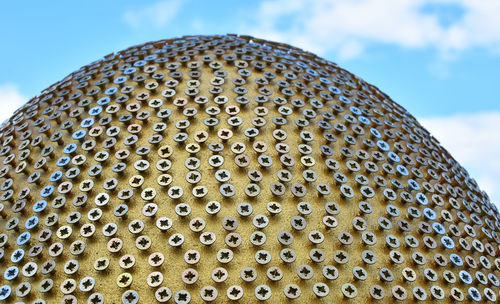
(230, 168)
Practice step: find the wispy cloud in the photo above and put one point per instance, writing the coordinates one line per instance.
(10, 100)
(158, 14)
(348, 27)
(473, 140)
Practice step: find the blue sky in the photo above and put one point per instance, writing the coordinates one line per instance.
(439, 59)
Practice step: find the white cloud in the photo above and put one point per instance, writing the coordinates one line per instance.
(347, 27)
(10, 100)
(473, 140)
(158, 14)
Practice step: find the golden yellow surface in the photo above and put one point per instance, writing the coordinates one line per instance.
(372, 102)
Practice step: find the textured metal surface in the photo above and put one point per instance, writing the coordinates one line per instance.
(228, 168)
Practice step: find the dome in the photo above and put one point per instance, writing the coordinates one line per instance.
(229, 168)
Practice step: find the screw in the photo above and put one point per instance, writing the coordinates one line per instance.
(124, 280)
(263, 292)
(234, 292)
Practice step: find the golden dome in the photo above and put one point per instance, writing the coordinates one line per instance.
(230, 168)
